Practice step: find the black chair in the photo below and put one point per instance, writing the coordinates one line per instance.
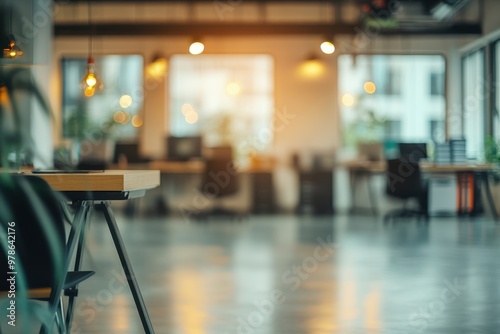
(220, 179)
(403, 181)
(32, 213)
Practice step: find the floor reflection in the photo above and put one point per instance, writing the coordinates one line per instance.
(307, 275)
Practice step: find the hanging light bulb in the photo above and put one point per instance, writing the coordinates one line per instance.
(12, 50)
(91, 82)
(327, 47)
(196, 47)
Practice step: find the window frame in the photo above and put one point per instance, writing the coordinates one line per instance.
(445, 88)
(97, 132)
(485, 79)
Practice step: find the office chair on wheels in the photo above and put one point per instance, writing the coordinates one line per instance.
(403, 181)
(219, 180)
(32, 219)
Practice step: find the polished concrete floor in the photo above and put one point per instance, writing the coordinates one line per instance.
(290, 274)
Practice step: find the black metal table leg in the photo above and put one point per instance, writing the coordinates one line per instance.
(78, 264)
(127, 267)
(78, 222)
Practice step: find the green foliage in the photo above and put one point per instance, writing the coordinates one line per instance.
(492, 155)
(368, 127)
(491, 150)
(20, 91)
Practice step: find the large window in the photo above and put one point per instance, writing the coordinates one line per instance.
(496, 87)
(392, 97)
(474, 103)
(114, 112)
(227, 99)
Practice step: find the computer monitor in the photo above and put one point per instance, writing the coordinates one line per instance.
(413, 152)
(184, 148)
(130, 150)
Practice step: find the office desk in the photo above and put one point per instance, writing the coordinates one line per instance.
(361, 168)
(178, 167)
(261, 178)
(480, 171)
(95, 190)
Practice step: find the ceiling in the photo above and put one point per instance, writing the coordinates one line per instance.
(389, 17)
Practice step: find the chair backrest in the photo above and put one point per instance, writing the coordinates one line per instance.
(220, 177)
(413, 152)
(403, 178)
(38, 231)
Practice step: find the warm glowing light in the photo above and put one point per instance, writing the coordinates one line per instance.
(125, 101)
(12, 50)
(191, 117)
(127, 117)
(233, 88)
(89, 91)
(196, 48)
(91, 80)
(4, 95)
(370, 87)
(327, 47)
(312, 68)
(157, 68)
(120, 320)
(137, 121)
(348, 100)
(187, 109)
(119, 117)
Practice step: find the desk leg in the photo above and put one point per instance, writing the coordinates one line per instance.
(371, 194)
(487, 189)
(127, 268)
(355, 178)
(73, 292)
(353, 182)
(76, 228)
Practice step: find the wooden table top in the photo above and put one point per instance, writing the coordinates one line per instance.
(456, 168)
(109, 180)
(187, 167)
(365, 165)
(178, 167)
(427, 167)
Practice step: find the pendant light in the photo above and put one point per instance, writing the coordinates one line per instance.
(196, 47)
(327, 47)
(11, 49)
(90, 82)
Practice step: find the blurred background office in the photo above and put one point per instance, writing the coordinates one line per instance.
(267, 117)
